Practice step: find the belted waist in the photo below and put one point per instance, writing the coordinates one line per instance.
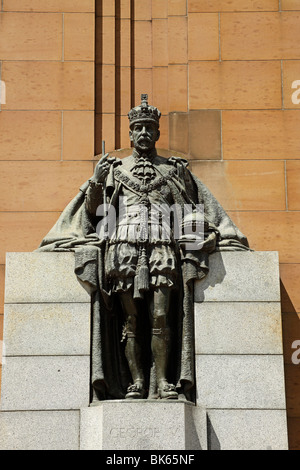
(136, 215)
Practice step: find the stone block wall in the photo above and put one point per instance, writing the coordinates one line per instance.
(239, 353)
(46, 363)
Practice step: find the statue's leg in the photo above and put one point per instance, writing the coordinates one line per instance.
(133, 347)
(160, 340)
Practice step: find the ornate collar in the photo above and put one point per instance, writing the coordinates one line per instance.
(139, 187)
(144, 155)
(143, 168)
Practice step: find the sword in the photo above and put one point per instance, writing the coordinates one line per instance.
(104, 195)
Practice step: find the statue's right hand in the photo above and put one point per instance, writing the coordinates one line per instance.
(101, 169)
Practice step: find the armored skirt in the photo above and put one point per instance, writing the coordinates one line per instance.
(122, 262)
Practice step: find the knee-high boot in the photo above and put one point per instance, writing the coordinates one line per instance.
(160, 345)
(134, 359)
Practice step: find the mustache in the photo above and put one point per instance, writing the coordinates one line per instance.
(144, 138)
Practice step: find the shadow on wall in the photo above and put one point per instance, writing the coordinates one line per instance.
(291, 336)
(214, 276)
(286, 303)
(213, 442)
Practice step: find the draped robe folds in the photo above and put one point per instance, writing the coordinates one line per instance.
(75, 231)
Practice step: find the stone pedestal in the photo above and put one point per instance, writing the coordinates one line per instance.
(239, 364)
(143, 425)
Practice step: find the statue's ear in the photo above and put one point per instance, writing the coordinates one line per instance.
(158, 135)
(130, 135)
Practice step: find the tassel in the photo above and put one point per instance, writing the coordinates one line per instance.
(136, 293)
(143, 278)
(143, 272)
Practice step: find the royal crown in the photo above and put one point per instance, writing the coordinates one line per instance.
(144, 112)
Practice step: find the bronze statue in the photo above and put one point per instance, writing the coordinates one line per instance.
(140, 270)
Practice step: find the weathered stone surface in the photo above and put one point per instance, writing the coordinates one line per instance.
(238, 328)
(91, 428)
(39, 430)
(45, 383)
(47, 329)
(237, 381)
(143, 425)
(247, 430)
(240, 277)
(41, 278)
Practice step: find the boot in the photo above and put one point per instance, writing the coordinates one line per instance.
(133, 356)
(160, 350)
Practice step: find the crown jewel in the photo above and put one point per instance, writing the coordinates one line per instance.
(144, 112)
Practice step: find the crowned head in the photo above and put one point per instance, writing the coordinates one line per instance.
(144, 112)
(144, 126)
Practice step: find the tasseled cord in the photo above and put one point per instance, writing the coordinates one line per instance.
(141, 280)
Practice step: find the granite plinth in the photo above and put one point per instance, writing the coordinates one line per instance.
(241, 381)
(238, 276)
(45, 383)
(247, 429)
(239, 353)
(42, 278)
(143, 425)
(239, 364)
(39, 430)
(238, 328)
(62, 329)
